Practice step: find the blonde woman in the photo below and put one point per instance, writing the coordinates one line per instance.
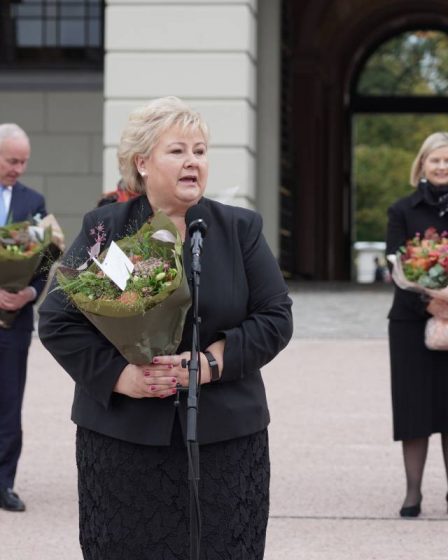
(419, 375)
(131, 454)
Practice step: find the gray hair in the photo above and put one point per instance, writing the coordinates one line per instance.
(11, 130)
(144, 128)
(433, 142)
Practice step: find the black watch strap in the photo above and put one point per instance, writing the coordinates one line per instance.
(214, 369)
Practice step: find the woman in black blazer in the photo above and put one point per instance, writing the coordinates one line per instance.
(131, 456)
(419, 375)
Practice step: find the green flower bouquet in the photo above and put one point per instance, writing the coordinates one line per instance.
(22, 249)
(145, 316)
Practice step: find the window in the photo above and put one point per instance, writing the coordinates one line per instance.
(51, 34)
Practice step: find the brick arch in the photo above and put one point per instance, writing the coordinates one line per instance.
(331, 40)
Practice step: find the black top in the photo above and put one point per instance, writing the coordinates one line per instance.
(243, 298)
(408, 216)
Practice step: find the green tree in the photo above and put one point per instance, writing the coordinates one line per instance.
(385, 148)
(412, 63)
(385, 145)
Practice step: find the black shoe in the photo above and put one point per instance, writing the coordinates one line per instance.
(411, 511)
(10, 501)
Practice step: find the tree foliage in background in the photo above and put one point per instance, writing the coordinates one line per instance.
(414, 63)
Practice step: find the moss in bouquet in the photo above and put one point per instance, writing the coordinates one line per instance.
(90, 285)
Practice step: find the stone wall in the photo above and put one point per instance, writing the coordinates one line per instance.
(65, 129)
(203, 52)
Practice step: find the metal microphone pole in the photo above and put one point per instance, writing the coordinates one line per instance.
(197, 230)
(192, 403)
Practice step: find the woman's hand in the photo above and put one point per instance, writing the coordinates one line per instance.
(166, 372)
(438, 308)
(138, 382)
(162, 376)
(174, 368)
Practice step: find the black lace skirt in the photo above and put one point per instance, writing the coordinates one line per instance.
(134, 499)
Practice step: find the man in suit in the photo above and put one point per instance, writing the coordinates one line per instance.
(17, 203)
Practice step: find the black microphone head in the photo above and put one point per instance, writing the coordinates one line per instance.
(197, 218)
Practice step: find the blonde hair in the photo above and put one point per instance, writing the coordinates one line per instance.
(144, 128)
(433, 142)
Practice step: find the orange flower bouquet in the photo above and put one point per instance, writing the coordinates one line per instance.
(422, 266)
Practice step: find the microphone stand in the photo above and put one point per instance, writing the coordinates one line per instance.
(193, 402)
(194, 372)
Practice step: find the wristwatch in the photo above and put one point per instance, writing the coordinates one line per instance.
(214, 370)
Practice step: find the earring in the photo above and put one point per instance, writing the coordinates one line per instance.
(142, 173)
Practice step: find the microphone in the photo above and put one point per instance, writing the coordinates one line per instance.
(197, 219)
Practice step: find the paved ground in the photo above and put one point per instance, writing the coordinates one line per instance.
(337, 479)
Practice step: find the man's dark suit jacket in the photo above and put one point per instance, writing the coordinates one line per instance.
(243, 298)
(408, 216)
(25, 204)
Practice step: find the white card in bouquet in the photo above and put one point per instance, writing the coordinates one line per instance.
(116, 266)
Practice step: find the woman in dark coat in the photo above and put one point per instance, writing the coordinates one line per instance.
(419, 375)
(130, 448)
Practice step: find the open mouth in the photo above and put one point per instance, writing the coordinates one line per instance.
(189, 179)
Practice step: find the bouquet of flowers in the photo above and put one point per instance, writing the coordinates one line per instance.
(422, 266)
(22, 248)
(135, 292)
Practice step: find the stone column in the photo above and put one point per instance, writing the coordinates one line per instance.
(205, 53)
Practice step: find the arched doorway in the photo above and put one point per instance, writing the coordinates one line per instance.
(399, 97)
(326, 44)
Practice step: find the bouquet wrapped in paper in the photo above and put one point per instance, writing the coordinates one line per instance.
(422, 266)
(57, 241)
(136, 292)
(22, 249)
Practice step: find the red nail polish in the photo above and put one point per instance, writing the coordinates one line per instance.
(174, 391)
(155, 360)
(173, 380)
(153, 388)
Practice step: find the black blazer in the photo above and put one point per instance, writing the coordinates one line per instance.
(408, 216)
(25, 204)
(243, 298)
